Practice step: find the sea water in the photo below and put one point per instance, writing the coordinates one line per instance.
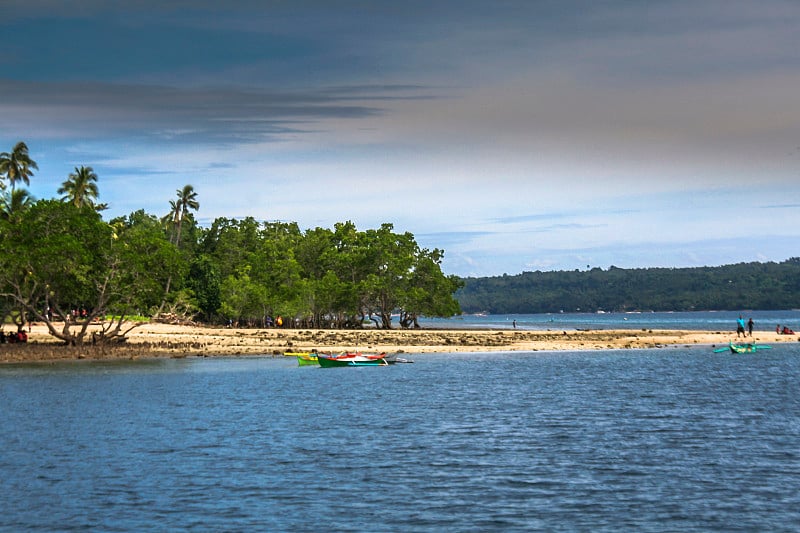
(669, 439)
(690, 320)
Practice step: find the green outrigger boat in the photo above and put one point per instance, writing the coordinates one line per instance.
(749, 347)
(330, 361)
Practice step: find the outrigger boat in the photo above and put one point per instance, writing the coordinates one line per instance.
(749, 347)
(306, 359)
(351, 359)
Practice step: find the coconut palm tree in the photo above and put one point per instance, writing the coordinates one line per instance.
(187, 199)
(17, 165)
(81, 188)
(179, 210)
(13, 203)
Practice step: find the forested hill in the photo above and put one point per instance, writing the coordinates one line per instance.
(741, 286)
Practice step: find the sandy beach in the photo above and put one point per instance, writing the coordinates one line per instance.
(164, 340)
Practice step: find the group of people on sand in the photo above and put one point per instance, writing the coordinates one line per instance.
(741, 332)
(12, 338)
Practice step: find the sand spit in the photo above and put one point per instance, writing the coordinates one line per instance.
(163, 340)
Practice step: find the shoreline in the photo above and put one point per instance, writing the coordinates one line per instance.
(157, 340)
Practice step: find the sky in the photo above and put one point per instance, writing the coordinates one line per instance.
(515, 135)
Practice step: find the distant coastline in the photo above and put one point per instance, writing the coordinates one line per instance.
(754, 285)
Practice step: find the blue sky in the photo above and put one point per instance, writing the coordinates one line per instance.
(515, 135)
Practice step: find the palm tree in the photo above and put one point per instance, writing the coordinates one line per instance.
(81, 188)
(179, 210)
(17, 165)
(13, 203)
(187, 199)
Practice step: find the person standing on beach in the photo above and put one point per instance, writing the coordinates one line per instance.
(740, 327)
(750, 325)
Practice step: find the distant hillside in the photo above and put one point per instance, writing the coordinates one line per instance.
(741, 286)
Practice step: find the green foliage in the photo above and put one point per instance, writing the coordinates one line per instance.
(14, 203)
(80, 188)
(66, 257)
(16, 166)
(179, 212)
(146, 260)
(203, 281)
(59, 250)
(429, 290)
(321, 278)
(740, 286)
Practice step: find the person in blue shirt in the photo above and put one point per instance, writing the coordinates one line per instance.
(740, 327)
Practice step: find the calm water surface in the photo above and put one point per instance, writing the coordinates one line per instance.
(658, 440)
(690, 320)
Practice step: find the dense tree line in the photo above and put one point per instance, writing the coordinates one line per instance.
(64, 265)
(740, 286)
